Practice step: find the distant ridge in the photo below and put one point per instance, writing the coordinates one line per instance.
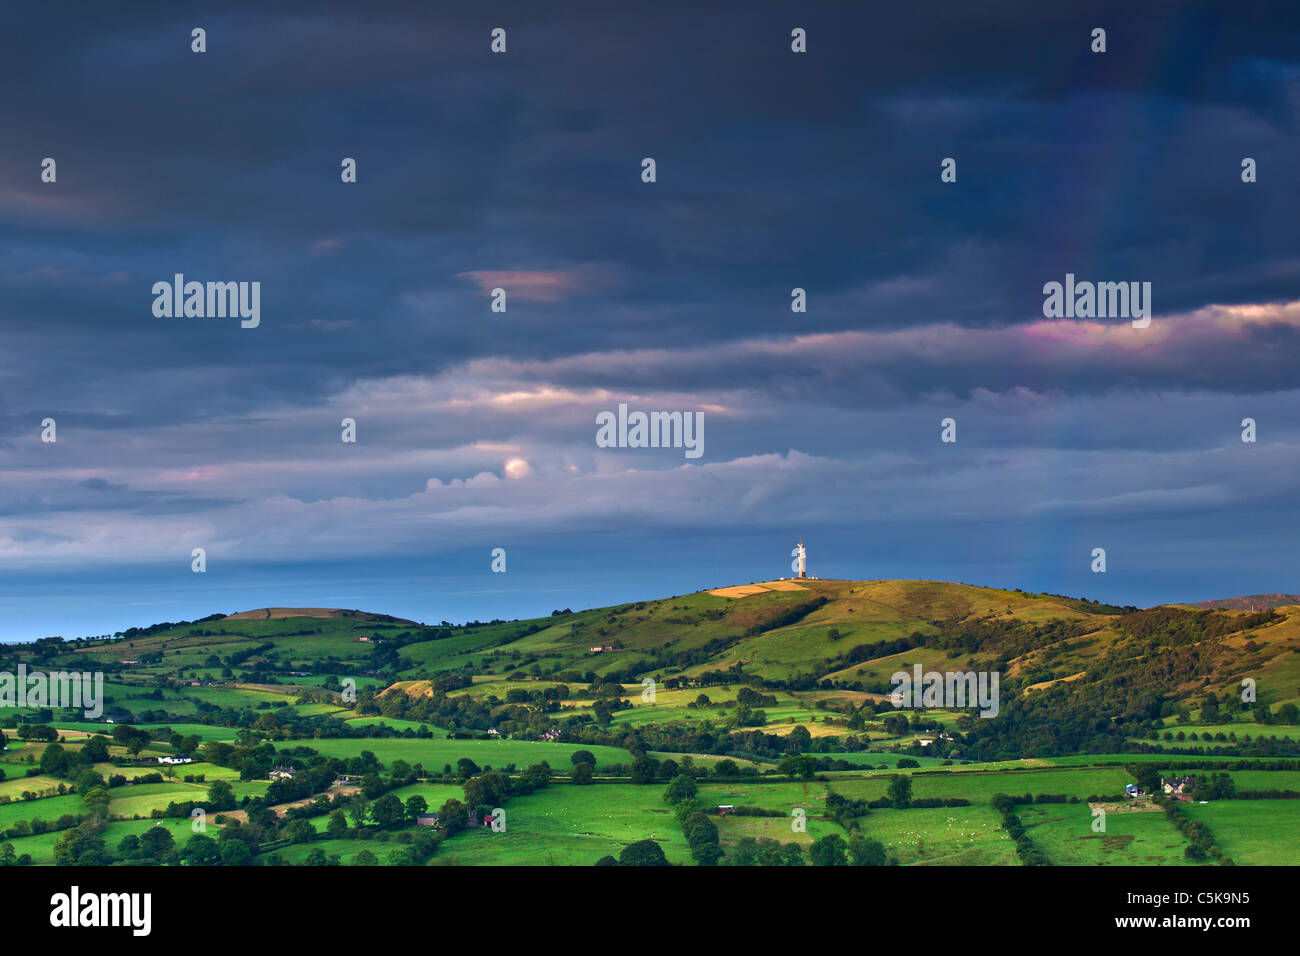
(1251, 602)
(1055, 653)
(275, 613)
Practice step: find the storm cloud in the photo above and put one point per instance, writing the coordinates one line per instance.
(522, 171)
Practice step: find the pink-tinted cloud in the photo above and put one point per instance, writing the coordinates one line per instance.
(538, 285)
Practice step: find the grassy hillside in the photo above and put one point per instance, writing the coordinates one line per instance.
(771, 695)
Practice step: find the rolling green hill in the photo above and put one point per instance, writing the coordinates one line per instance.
(750, 688)
(845, 636)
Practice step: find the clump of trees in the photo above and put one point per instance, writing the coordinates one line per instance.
(1030, 855)
(1200, 839)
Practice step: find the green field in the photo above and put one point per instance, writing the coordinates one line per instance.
(48, 809)
(41, 846)
(571, 826)
(345, 849)
(396, 723)
(1266, 779)
(874, 759)
(732, 829)
(143, 798)
(1088, 760)
(811, 796)
(435, 794)
(1132, 838)
(1240, 730)
(435, 753)
(14, 786)
(1253, 832)
(958, 836)
(981, 786)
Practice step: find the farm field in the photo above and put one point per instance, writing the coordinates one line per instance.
(1063, 831)
(1252, 832)
(1087, 760)
(345, 849)
(41, 846)
(143, 798)
(1206, 734)
(15, 786)
(571, 826)
(811, 795)
(956, 836)
(395, 723)
(48, 809)
(435, 794)
(1266, 779)
(710, 760)
(980, 787)
(873, 760)
(673, 705)
(204, 732)
(434, 753)
(732, 829)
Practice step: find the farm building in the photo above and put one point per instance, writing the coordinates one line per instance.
(1180, 788)
(282, 773)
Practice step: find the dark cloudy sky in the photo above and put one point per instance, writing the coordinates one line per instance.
(776, 170)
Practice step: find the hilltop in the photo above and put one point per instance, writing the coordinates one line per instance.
(278, 613)
(1251, 602)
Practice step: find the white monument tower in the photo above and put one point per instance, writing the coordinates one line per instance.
(800, 559)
